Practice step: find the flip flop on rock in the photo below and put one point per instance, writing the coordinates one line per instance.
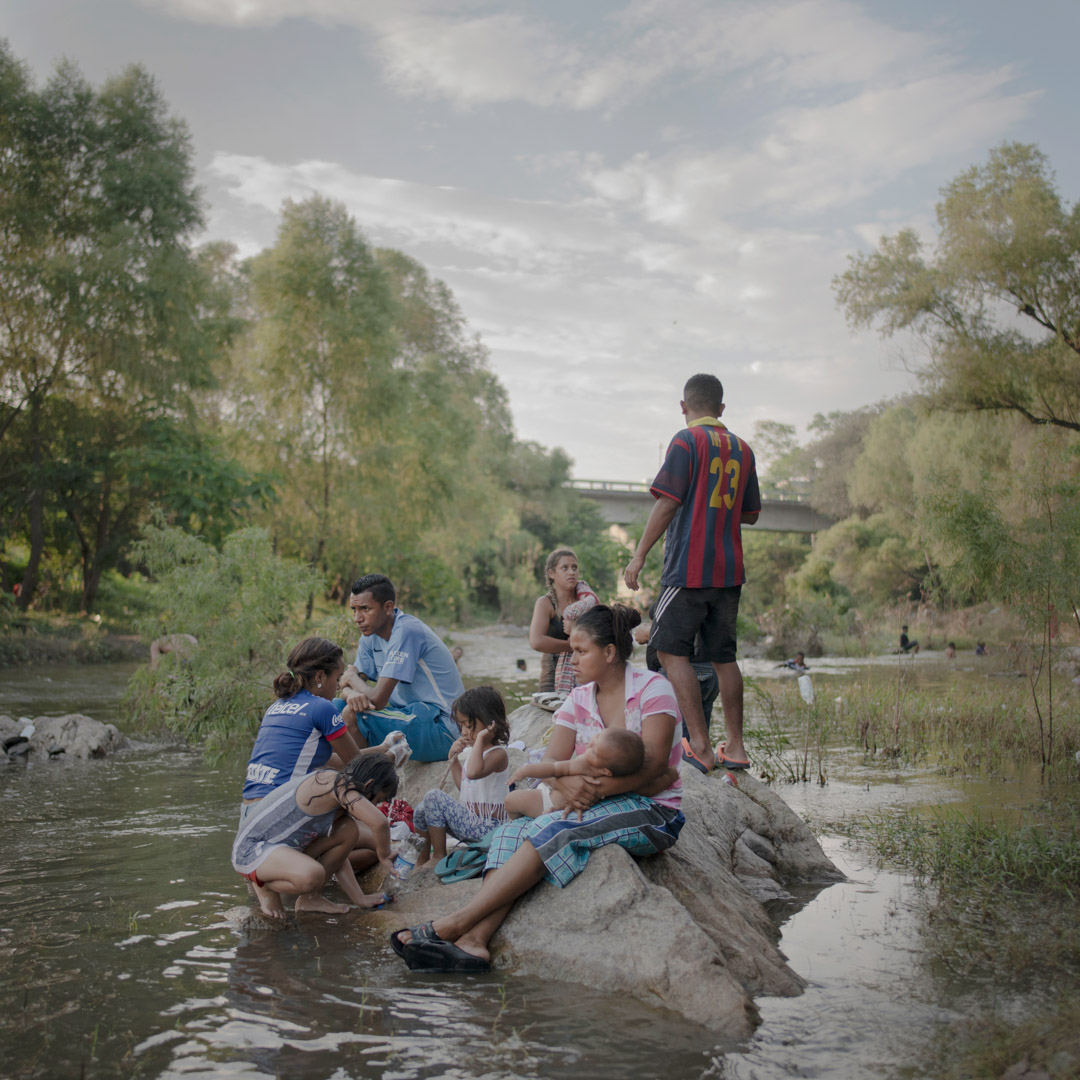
(729, 762)
(549, 702)
(427, 952)
(691, 758)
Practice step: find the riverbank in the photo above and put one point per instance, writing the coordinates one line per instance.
(41, 639)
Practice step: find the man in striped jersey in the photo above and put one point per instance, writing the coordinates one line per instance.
(705, 492)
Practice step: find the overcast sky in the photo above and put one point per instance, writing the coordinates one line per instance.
(620, 194)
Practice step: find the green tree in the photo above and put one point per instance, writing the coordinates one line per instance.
(100, 293)
(997, 305)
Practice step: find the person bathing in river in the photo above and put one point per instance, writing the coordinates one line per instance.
(415, 677)
(297, 838)
(796, 663)
(613, 810)
(480, 715)
(567, 598)
(611, 752)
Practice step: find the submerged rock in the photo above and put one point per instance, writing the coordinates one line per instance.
(248, 920)
(686, 930)
(73, 735)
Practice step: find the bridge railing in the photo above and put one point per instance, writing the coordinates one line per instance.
(624, 487)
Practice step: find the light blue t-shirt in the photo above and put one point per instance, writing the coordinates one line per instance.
(416, 656)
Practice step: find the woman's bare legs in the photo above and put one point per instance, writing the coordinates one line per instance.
(286, 870)
(330, 852)
(472, 927)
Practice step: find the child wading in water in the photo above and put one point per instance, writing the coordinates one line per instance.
(611, 752)
(482, 778)
(297, 838)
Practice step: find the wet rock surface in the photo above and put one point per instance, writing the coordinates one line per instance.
(686, 930)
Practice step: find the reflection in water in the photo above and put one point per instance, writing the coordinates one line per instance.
(115, 960)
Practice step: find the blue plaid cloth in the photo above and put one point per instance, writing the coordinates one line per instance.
(635, 823)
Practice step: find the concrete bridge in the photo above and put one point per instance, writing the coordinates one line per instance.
(623, 503)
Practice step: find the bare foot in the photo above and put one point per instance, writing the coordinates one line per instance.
(373, 900)
(428, 864)
(269, 903)
(320, 904)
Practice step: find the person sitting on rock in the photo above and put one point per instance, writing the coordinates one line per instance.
(480, 713)
(297, 838)
(612, 752)
(906, 644)
(415, 677)
(612, 809)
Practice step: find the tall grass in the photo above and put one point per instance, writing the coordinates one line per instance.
(954, 851)
(989, 730)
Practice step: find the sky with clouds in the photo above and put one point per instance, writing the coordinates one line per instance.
(620, 193)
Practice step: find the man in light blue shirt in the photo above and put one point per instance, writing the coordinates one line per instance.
(416, 679)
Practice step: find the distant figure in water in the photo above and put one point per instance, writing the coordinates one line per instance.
(457, 652)
(950, 650)
(981, 649)
(184, 645)
(906, 644)
(521, 665)
(797, 663)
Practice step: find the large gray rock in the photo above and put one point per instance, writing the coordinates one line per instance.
(70, 736)
(686, 930)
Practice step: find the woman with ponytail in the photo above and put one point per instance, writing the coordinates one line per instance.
(640, 811)
(302, 729)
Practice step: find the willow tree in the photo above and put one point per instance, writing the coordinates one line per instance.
(360, 385)
(996, 304)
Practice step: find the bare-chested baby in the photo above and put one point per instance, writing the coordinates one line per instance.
(612, 752)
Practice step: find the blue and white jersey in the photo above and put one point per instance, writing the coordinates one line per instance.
(294, 739)
(416, 656)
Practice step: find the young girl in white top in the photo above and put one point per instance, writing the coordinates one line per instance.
(482, 774)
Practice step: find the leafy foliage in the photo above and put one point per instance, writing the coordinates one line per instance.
(243, 603)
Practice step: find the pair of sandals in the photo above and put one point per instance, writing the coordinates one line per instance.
(464, 862)
(425, 951)
(722, 759)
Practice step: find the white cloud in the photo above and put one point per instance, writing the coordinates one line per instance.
(474, 52)
(812, 159)
(594, 319)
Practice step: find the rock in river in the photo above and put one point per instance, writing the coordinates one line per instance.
(70, 736)
(686, 930)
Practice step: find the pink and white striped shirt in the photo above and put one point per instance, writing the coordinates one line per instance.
(647, 692)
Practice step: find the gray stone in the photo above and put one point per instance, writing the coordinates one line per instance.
(73, 736)
(248, 920)
(685, 930)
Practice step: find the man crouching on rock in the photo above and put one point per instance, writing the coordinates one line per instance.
(416, 679)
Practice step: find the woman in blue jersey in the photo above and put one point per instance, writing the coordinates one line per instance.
(302, 730)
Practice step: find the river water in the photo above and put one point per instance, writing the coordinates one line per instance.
(115, 959)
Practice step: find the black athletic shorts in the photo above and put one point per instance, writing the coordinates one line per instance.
(682, 614)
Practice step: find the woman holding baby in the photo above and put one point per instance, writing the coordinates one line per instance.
(637, 808)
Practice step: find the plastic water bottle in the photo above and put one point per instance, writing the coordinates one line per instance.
(406, 857)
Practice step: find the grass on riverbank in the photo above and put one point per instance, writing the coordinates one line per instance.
(990, 730)
(1001, 902)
